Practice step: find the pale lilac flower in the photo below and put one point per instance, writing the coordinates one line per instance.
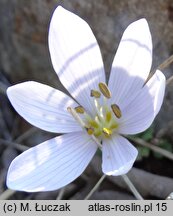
(126, 106)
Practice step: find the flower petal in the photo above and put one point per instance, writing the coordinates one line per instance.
(75, 55)
(132, 62)
(156, 87)
(43, 106)
(118, 155)
(52, 164)
(140, 113)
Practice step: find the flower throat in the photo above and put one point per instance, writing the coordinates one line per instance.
(104, 123)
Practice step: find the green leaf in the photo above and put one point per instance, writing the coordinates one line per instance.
(143, 152)
(146, 135)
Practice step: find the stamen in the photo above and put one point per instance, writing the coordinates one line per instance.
(116, 110)
(108, 116)
(98, 109)
(95, 93)
(97, 119)
(90, 131)
(96, 103)
(87, 117)
(107, 132)
(104, 90)
(80, 121)
(76, 116)
(102, 124)
(79, 109)
(94, 124)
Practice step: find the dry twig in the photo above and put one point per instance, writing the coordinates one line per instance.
(132, 187)
(60, 194)
(154, 148)
(95, 187)
(14, 144)
(7, 194)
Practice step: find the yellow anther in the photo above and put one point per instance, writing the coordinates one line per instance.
(104, 90)
(95, 93)
(90, 131)
(116, 110)
(79, 109)
(107, 132)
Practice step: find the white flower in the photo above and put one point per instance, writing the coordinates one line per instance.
(126, 106)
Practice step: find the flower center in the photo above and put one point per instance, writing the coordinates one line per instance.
(105, 121)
